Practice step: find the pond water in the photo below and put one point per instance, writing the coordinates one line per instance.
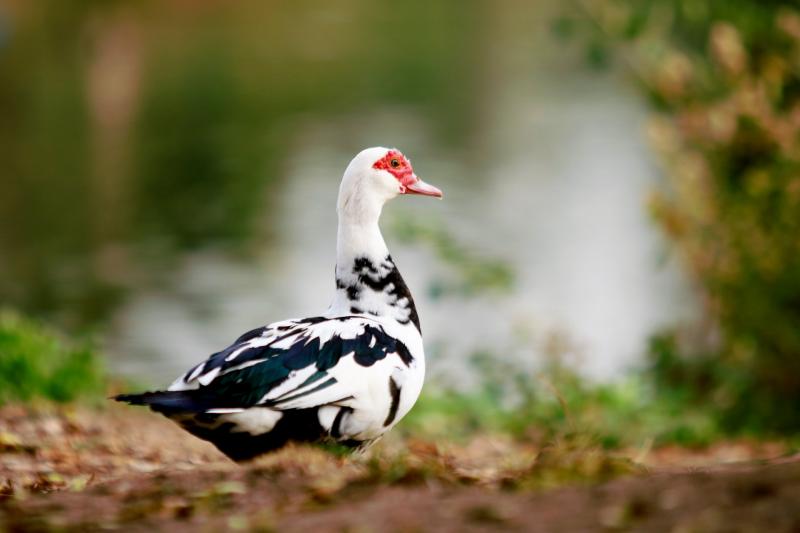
(170, 176)
(555, 184)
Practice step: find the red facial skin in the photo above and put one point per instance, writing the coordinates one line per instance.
(402, 172)
(398, 166)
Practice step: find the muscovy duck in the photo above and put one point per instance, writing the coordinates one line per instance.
(346, 376)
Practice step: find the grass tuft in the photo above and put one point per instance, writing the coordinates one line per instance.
(37, 363)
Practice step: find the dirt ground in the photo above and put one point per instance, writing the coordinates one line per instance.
(126, 469)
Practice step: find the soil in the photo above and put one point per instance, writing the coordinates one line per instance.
(125, 469)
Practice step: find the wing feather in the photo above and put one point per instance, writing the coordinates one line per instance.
(294, 364)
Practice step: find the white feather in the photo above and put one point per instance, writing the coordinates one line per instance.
(255, 420)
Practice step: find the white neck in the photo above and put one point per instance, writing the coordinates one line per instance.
(359, 209)
(358, 240)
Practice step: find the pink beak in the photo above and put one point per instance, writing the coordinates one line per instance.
(420, 187)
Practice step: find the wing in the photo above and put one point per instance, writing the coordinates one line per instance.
(295, 364)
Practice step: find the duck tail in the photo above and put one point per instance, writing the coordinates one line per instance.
(165, 402)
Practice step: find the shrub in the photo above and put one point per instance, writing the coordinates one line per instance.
(35, 362)
(723, 77)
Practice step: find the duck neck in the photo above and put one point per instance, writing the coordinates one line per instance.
(367, 280)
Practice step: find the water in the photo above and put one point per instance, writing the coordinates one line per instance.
(170, 175)
(561, 198)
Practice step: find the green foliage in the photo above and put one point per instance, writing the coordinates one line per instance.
(35, 363)
(725, 78)
(472, 273)
(556, 403)
(201, 152)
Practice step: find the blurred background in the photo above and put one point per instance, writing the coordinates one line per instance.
(622, 195)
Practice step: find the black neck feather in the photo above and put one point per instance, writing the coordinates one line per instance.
(377, 288)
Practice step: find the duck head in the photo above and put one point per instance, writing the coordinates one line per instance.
(375, 176)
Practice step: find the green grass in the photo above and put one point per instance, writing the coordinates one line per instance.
(37, 363)
(557, 404)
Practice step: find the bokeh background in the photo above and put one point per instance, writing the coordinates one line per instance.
(622, 195)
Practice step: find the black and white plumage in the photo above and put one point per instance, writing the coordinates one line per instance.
(346, 376)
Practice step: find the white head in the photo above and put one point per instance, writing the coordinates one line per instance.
(373, 177)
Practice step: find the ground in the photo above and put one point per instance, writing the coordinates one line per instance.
(82, 469)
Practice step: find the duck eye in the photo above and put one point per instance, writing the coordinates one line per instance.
(395, 163)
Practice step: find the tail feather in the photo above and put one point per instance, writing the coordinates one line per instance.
(167, 402)
(207, 419)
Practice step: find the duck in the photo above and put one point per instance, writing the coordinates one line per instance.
(344, 377)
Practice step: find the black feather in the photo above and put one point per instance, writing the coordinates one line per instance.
(169, 402)
(241, 387)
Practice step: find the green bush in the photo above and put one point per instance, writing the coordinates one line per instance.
(723, 78)
(36, 363)
(556, 403)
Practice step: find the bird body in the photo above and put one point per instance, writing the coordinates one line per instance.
(346, 376)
